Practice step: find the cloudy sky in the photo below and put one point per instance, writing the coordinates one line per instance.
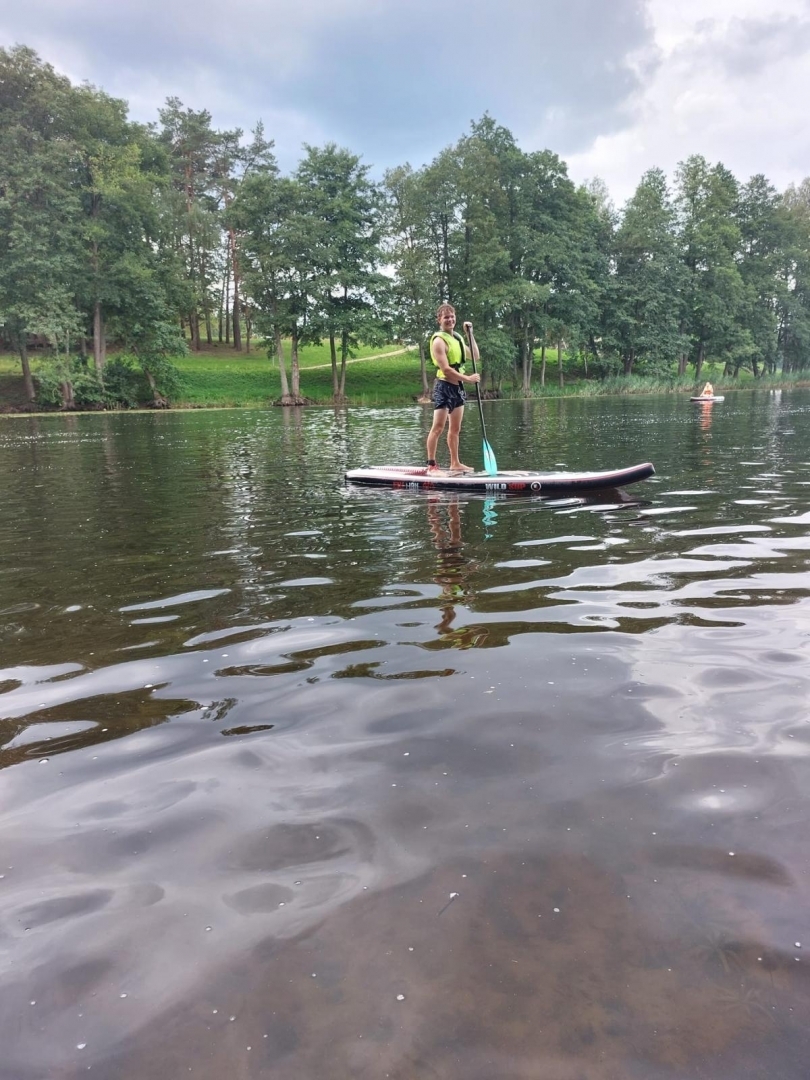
(613, 86)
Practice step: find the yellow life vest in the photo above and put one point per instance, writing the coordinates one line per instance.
(456, 352)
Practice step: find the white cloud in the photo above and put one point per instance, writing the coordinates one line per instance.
(732, 83)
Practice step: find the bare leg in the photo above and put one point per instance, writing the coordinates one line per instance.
(439, 420)
(453, 431)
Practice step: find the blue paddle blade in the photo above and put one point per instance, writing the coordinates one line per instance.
(490, 465)
(490, 517)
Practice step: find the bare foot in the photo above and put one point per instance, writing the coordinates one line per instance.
(459, 468)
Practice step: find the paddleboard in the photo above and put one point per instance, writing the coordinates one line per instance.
(517, 482)
(709, 397)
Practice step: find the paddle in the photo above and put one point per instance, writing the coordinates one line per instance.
(490, 465)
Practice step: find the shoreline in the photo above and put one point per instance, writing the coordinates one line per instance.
(384, 377)
(185, 407)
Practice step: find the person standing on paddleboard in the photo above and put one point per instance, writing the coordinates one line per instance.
(448, 351)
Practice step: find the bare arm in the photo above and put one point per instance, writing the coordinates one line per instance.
(438, 351)
(468, 330)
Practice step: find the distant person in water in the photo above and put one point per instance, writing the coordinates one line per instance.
(707, 391)
(449, 351)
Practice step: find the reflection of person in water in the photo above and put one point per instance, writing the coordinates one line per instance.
(444, 518)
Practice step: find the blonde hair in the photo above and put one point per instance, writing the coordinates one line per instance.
(444, 307)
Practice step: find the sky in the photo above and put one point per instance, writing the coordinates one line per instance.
(615, 87)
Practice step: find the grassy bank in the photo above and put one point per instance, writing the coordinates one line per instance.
(228, 379)
(221, 378)
(218, 378)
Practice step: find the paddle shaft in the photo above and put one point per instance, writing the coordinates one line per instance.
(477, 387)
(490, 464)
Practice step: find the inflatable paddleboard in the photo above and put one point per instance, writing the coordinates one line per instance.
(708, 397)
(417, 478)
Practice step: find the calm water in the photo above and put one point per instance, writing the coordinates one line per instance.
(312, 783)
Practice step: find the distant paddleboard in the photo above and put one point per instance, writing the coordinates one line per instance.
(513, 482)
(709, 397)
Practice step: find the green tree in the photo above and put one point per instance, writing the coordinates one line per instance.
(644, 299)
(275, 240)
(345, 217)
(197, 155)
(233, 163)
(415, 290)
(39, 204)
(122, 179)
(793, 277)
(764, 229)
(706, 202)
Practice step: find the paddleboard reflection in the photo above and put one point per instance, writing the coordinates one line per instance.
(455, 572)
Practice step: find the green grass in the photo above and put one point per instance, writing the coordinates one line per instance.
(254, 380)
(10, 364)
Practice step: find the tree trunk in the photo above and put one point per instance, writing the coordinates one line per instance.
(629, 357)
(248, 329)
(295, 373)
(344, 352)
(526, 361)
(158, 400)
(699, 362)
(99, 339)
(209, 332)
(237, 308)
(194, 327)
(423, 369)
(221, 318)
(237, 320)
(333, 356)
(282, 364)
(543, 364)
(559, 363)
(209, 337)
(28, 381)
(228, 303)
(66, 389)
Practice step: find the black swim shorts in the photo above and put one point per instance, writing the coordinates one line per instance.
(447, 395)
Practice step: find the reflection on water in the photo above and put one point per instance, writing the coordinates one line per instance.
(305, 781)
(455, 571)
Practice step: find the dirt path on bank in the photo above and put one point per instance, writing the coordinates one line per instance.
(358, 360)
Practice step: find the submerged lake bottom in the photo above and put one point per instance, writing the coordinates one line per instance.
(302, 780)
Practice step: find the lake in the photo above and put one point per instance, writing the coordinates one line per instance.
(306, 781)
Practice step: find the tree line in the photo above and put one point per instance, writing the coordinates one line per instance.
(175, 235)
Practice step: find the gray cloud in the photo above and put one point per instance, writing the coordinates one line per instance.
(755, 44)
(392, 80)
(750, 45)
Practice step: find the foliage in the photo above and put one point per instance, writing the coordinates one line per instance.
(125, 384)
(643, 313)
